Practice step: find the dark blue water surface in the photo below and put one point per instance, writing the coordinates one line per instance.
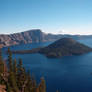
(67, 74)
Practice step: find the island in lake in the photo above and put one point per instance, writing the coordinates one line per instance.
(61, 47)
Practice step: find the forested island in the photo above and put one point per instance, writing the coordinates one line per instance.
(59, 48)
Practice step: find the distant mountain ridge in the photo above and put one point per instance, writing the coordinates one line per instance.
(33, 36)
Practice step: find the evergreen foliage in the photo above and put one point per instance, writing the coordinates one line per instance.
(17, 79)
(64, 47)
(10, 64)
(1, 64)
(1, 68)
(42, 86)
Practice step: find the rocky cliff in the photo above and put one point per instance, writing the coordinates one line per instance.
(33, 36)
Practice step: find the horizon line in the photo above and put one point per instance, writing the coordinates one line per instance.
(33, 29)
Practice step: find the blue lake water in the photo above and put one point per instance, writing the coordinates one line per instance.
(67, 74)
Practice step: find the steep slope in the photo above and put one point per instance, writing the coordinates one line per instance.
(31, 36)
(65, 47)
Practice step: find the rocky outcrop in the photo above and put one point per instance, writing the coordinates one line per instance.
(33, 36)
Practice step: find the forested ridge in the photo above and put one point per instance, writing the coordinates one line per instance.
(14, 77)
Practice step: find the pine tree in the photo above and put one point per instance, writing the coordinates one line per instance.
(42, 86)
(15, 70)
(21, 77)
(20, 67)
(18, 80)
(1, 64)
(10, 63)
(34, 84)
(8, 88)
(11, 77)
(12, 82)
(1, 68)
(29, 82)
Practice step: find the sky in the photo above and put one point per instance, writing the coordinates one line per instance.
(51, 16)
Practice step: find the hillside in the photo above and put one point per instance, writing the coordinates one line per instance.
(65, 47)
(61, 47)
(33, 36)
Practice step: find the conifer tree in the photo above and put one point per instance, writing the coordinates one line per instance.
(18, 80)
(29, 82)
(15, 70)
(10, 63)
(11, 77)
(8, 88)
(34, 84)
(21, 77)
(12, 82)
(42, 86)
(1, 68)
(1, 64)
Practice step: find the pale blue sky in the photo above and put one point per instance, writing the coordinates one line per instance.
(53, 16)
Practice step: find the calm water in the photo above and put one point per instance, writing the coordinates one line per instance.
(67, 74)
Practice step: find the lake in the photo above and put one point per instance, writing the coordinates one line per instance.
(67, 74)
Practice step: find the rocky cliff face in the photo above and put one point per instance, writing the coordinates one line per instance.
(33, 36)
